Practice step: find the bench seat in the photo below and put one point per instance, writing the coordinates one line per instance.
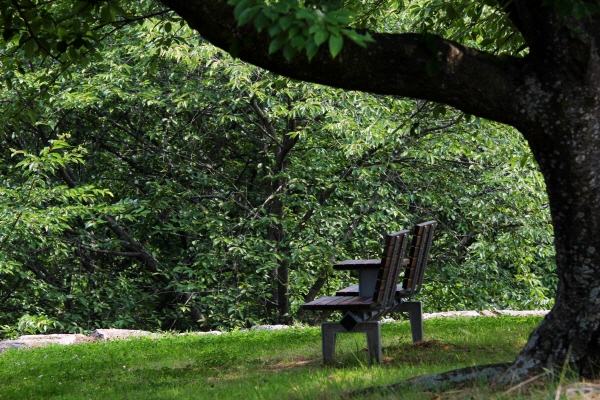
(340, 303)
(353, 290)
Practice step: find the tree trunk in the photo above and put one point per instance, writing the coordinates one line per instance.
(276, 234)
(567, 150)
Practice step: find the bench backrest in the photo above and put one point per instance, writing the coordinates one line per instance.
(391, 261)
(418, 255)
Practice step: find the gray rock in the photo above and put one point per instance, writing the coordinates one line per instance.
(527, 313)
(64, 339)
(488, 313)
(201, 333)
(451, 314)
(11, 344)
(269, 327)
(113, 334)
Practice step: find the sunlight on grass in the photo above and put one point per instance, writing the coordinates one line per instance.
(254, 365)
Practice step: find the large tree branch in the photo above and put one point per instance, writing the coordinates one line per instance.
(475, 82)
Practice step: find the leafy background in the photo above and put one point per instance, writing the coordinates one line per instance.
(169, 186)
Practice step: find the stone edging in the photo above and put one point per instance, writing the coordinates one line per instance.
(486, 313)
(31, 341)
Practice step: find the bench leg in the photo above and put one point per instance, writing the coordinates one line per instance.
(373, 331)
(329, 330)
(415, 314)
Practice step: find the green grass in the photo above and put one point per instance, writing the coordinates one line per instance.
(254, 365)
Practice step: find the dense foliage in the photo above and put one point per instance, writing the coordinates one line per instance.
(204, 192)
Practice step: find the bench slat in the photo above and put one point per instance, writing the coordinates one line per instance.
(325, 301)
(349, 291)
(339, 303)
(353, 290)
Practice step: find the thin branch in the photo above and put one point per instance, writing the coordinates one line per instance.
(126, 21)
(32, 34)
(112, 252)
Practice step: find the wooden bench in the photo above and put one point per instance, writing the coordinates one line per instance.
(362, 305)
(375, 297)
(415, 265)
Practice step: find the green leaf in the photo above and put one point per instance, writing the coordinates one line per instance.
(321, 36)
(105, 14)
(274, 29)
(439, 110)
(271, 14)
(293, 32)
(261, 21)
(297, 42)
(277, 43)
(357, 38)
(311, 48)
(24, 38)
(286, 22)
(62, 33)
(335, 44)
(241, 7)
(334, 30)
(523, 160)
(73, 54)
(247, 15)
(289, 51)
(118, 9)
(486, 42)
(282, 7)
(29, 47)
(306, 15)
(339, 17)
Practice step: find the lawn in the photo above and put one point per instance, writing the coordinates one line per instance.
(257, 365)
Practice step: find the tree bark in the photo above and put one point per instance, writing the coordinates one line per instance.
(552, 96)
(566, 145)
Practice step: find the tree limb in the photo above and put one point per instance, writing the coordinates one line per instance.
(470, 80)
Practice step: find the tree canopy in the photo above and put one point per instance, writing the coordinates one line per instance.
(219, 180)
